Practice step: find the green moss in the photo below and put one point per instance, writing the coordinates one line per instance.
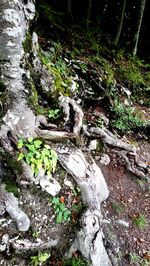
(126, 118)
(13, 164)
(75, 262)
(3, 97)
(2, 86)
(27, 44)
(62, 81)
(11, 186)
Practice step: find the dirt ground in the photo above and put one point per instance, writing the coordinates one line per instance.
(129, 199)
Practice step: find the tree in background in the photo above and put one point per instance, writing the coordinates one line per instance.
(120, 22)
(138, 26)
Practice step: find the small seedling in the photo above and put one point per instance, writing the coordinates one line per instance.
(140, 221)
(38, 155)
(54, 114)
(100, 122)
(118, 207)
(62, 213)
(41, 257)
(134, 258)
(76, 191)
(35, 234)
(75, 262)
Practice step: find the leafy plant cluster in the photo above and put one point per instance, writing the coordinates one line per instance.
(137, 260)
(126, 118)
(54, 114)
(39, 259)
(63, 214)
(59, 69)
(75, 262)
(140, 221)
(38, 155)
(118, 207)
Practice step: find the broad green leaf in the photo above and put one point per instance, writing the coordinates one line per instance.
(30, 139)
(55, 200)
(20, 144)
(20, 157)
(43, 257)
(45, 152)
(28, 158)
(33, 160)
(62, 207)
(37, 143)
(47, 147)
(59, 218)
(30, 147)
(39, 164)
(57, 210)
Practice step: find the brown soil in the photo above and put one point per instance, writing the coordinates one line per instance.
(129, 198)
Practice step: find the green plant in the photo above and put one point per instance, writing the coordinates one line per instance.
(54, 114)
(61, 211)
(134, 258)
(140, 221)
(39, 259)
(60, 73)
(38, 155)
(126, 118)
(100, 122)
(118, 207)
(35, 234)
(137, 260)
(75, 262)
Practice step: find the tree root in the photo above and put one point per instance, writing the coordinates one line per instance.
(25, 245)
(126, 151)
(94, 190)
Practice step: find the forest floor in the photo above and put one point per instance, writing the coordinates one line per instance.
(126, 211)
(129, 200)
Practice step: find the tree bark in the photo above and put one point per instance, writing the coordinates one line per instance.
(138, 26)
(120, 23)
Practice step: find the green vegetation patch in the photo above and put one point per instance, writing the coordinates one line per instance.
(38, 155)
(63, 214)
(126, 118)
(75, 262)
(140, 221)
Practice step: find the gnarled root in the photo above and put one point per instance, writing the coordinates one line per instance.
(126, 151)
(94, 190)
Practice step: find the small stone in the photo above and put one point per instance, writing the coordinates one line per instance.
(130, 200)
(105, 160)
(122, 222)
(93, 144)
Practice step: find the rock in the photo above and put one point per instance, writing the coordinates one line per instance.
(4, 243)
(93, 144)
(16, 213)
(9, 203)
(50, 185)
(105, 160)
(69, 184)
(122, 222)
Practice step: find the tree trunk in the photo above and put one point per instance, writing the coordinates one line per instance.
(19, 120)
(120, 23)
(138, 26)
(88, 13)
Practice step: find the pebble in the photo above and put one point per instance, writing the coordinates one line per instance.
(122, 222)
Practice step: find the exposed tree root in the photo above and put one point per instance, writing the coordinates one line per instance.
(20, 121)
(126, 151)
(25, 245)
(94, 190)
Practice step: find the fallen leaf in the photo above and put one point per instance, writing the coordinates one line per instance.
(62, 199)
